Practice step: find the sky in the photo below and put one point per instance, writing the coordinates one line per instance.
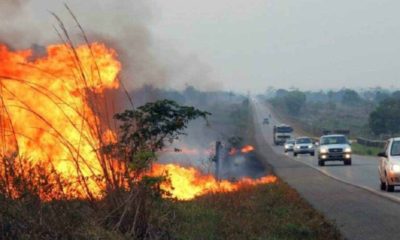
(237, 45)
(306, 44)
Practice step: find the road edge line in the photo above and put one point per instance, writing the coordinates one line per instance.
(391, 198)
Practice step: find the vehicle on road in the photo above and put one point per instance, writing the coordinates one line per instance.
(303, 145)
(334, 147)
(289, 145)
(389, 165)
(282, 133)
(266, 121)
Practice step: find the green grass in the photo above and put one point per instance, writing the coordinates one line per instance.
(272, 211)
(364, 150)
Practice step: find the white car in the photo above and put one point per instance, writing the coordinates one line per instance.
(303, 145)
(289, 145)
(389, 165)
(334, 147)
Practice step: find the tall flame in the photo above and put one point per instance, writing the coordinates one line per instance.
(45, 106)
(51, 111)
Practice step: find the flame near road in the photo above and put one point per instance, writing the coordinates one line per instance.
(188, 183)
(52, 111)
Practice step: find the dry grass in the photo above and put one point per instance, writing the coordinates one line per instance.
(263, 212)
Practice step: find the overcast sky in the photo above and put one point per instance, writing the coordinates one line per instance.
(237, 45)
(307, 44)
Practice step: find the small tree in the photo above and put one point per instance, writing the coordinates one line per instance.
(143, 132)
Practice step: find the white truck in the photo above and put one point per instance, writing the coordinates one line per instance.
(282, 133)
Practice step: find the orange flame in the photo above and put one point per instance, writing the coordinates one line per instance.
(45, 107)
(247, 149)
(188, 183)
(51, 113)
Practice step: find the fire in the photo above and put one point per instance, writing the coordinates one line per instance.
(188, 183)
(247, 149)
(48, 111)
(244, 150)
(53, 114)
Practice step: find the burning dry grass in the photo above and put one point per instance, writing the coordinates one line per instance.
(188, 183)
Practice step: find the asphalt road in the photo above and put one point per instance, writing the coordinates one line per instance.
(348, 195)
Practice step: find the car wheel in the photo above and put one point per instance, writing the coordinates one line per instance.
(321, 163)
(347, 162)
(312, 154)
(383, 185)
(295, 154)
(389, 188)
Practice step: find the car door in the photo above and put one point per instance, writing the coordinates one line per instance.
(383, 162)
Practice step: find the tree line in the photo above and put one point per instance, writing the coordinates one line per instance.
(378, 109)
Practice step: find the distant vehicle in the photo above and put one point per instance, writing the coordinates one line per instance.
(282, 133)
(289, 144)
(303, 145)
(389, 165)
(266, 121)
(334, 147)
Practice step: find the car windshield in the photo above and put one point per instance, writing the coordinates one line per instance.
(283, 137)
(395, 151)
(303, 140)
(333, 140)
(284, 129)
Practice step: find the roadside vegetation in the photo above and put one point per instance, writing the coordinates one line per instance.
(264, 212)
(273, 211)
(365, 150)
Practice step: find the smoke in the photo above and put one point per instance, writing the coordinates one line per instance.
(124, 25)
(11, 7)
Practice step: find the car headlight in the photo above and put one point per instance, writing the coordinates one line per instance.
(323, 150)
(310, 146)
(396, 168)
(347, 150)
(297, 147)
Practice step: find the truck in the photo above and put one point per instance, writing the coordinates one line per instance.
(282, 133)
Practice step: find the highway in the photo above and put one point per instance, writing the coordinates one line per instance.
(362, 173)
(347, 195)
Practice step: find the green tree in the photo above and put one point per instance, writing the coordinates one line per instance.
(350, 97)
(294, 102)
(144, 131)
(385, 119)
(149, 127)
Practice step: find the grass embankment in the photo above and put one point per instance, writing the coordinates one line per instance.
(365, 150)
(264, 212)
(273, 211)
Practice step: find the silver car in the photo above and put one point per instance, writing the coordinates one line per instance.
(303, 145)
(334, 148)
(389, 165)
